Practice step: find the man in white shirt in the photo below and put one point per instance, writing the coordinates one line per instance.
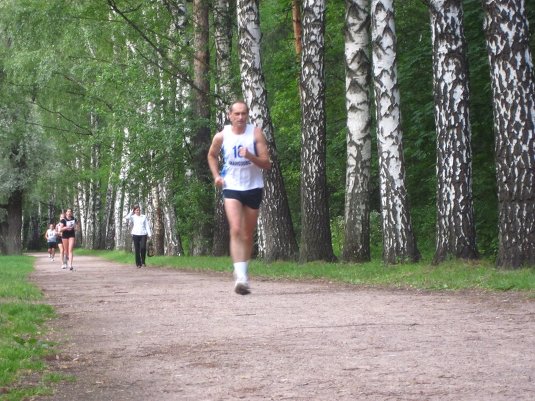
(245, 154)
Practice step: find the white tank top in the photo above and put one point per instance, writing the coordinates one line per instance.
(239, 173)
(51, 235)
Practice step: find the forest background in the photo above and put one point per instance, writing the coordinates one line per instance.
(97, 113)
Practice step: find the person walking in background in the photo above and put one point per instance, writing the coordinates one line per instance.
(68, 229)
(140, 232)
(245, 155)
(60, 242)
(51, 240)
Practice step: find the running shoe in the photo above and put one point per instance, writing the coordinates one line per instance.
(242, 288)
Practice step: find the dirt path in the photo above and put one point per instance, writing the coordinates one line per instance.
(159, 334)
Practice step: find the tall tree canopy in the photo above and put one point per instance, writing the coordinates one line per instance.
(114, 101)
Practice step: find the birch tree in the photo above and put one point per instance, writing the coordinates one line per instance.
(399, 244)
(358, 80)
(122, 199)
(107, 240)
(169, 241)
(316, 243)
(223, 57)
(513, 87)
(455, 227)
(275, 231)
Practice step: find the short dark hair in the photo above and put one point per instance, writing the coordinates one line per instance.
(238, 102)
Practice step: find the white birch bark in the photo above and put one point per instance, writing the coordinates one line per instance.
(513, 88)
(80, 210)
(316, 241)
(276, 238)
(358, 83)
(455, 227)
(108, 233)
(154, 215)
(399, 244)
(122, 199)
(178, 101)
(223, 48)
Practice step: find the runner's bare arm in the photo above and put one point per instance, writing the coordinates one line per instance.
(213, 158)
(261, 159)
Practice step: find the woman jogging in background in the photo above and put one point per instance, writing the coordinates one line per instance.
(68, 232)
(140, 232)
(52, 242)
(60, 242)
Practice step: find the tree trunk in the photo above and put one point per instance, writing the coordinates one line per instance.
(11, 227)
(94, 228)
(224, 97)
(173, 242)
(297, 26)
(513, 87)
(399, 244)
(107, 239)
(275, 230)
(123, 240)
(156, 221)
(223, 54)
(80, 208)
(201, 63)
(170, 239)
(221, 243)
(202, 237)
(357, 200)
(33, 232)
(122, 199)
(316, 242)
(455, 228)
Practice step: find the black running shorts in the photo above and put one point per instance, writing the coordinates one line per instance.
(250, 198)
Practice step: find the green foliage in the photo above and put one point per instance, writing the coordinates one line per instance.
(191, 198)
(415, 68)
(484, 173)
(74, 76)
(419, 139)
(21, 321)
(282, 71)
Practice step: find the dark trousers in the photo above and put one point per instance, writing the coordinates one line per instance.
(140, 248)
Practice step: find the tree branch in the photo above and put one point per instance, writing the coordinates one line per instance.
(87, 130)
(71, 79)
(54, 128)
(183, 77)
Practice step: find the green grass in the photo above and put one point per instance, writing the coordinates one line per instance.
(22, 318)
(451, 275)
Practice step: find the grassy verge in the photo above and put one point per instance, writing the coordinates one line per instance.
(452, 275)
(22, 316)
